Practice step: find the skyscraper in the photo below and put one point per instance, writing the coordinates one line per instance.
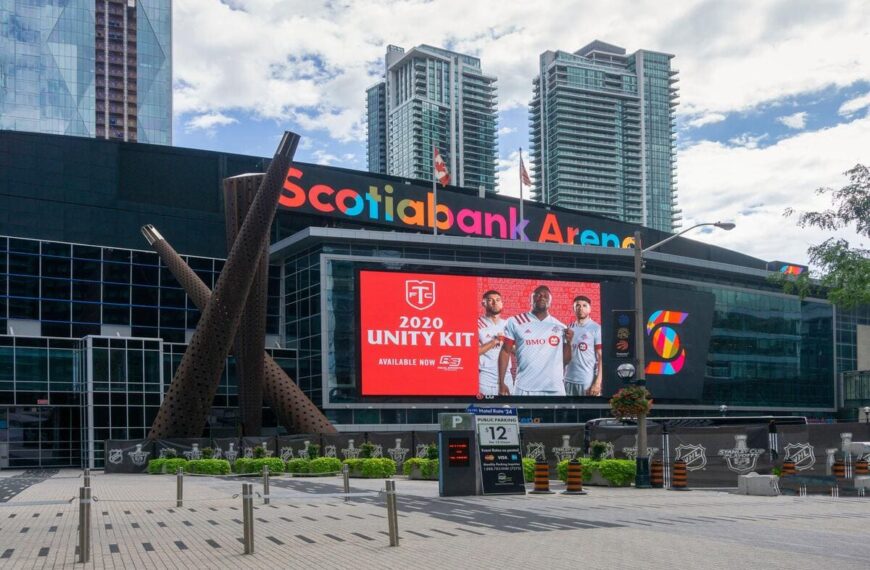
(602, 130)
(433, 97)
(91, 68)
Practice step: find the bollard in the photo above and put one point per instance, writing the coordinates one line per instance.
(84, 524)
(862, 467)
(345, 474)
(542, 479)
(265, 484)
(392, 513)
(179, 487)
(679, 478)
(839, 469)
(788, 468)
(657, 474)
(87, 477)
(574, 483)
(248, 517)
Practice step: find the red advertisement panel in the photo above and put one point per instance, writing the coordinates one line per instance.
(420, 333)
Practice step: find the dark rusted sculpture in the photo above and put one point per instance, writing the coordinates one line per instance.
(186, 405)
(239, 193)
(294, 410)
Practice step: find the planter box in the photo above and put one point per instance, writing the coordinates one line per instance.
(598, 480)
(417, 474)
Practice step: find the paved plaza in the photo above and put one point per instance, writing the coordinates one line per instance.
(136, 524)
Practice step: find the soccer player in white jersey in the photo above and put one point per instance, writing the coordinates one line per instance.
(537, 339)
(583, 373)
(490, 335)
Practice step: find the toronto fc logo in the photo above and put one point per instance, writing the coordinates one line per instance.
(420, 294)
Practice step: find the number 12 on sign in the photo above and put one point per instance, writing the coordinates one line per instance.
(497, 435)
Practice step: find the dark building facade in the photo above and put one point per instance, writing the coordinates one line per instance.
(93, 326)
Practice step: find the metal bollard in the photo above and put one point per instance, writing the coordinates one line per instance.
(248, 516)
(84, 524)
(392, 513)
(179, 487)
(345, 474)
(265, 484)
(87, 477)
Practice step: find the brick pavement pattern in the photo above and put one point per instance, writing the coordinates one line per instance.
(136, 524)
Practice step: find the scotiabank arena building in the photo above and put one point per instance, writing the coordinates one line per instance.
(376, 316)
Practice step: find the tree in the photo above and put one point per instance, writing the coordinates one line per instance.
(843, 269)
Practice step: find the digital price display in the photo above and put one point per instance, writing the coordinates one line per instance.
(458, 452)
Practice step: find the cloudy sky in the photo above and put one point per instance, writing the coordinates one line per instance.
(774, 95)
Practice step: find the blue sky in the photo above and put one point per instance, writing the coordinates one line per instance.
(774, 95)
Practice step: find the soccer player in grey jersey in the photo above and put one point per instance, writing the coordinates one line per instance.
(583, 373)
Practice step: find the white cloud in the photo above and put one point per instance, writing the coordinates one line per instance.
(852, 106)
(310, 62)
(324, 157)
(797, 121)
(752, 186)
(747, 141)
(208, 122)
(506, 130)
(706, 119)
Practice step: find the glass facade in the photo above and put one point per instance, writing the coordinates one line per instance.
(768, 352)
(433, 98)
(61, 398)
(602, 134)
(49, 68)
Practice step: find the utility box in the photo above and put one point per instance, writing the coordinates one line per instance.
(457, 456)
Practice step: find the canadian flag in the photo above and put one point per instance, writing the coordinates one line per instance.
(441, 173)
(524, 174)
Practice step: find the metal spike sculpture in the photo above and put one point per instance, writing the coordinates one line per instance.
(239, 194)
(294, 410)
(186, 405)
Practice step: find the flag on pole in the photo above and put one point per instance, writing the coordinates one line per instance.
(524, 174)
(441, 169)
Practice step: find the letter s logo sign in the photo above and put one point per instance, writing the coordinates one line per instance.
(666, 342)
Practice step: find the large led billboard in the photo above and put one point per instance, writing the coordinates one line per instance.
(424, 334)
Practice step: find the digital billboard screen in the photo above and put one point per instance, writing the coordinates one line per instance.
(425, 334)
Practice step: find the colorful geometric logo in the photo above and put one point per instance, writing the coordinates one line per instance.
(791, 269)
(666, 342)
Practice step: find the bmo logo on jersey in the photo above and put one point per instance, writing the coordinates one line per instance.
(420, 294)
(666, 342)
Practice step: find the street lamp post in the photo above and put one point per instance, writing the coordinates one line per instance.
(641, 480)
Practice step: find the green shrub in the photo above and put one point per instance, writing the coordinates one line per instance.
(209, 466)
(298, 465)
(155, 466)
(432, 451)
(260, 452)
(169, 453)
(366, 450)
(618, 472)
(324, 465)
(373, 468)
(207, 453)
(597, 449)
(313, 451)
(529, 469)
(172, 465)
(242, 465)
(428, 467)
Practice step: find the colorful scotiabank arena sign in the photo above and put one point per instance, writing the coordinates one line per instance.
(420, 333)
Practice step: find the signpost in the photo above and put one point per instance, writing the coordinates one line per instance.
(457, 469)
(498, 442)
